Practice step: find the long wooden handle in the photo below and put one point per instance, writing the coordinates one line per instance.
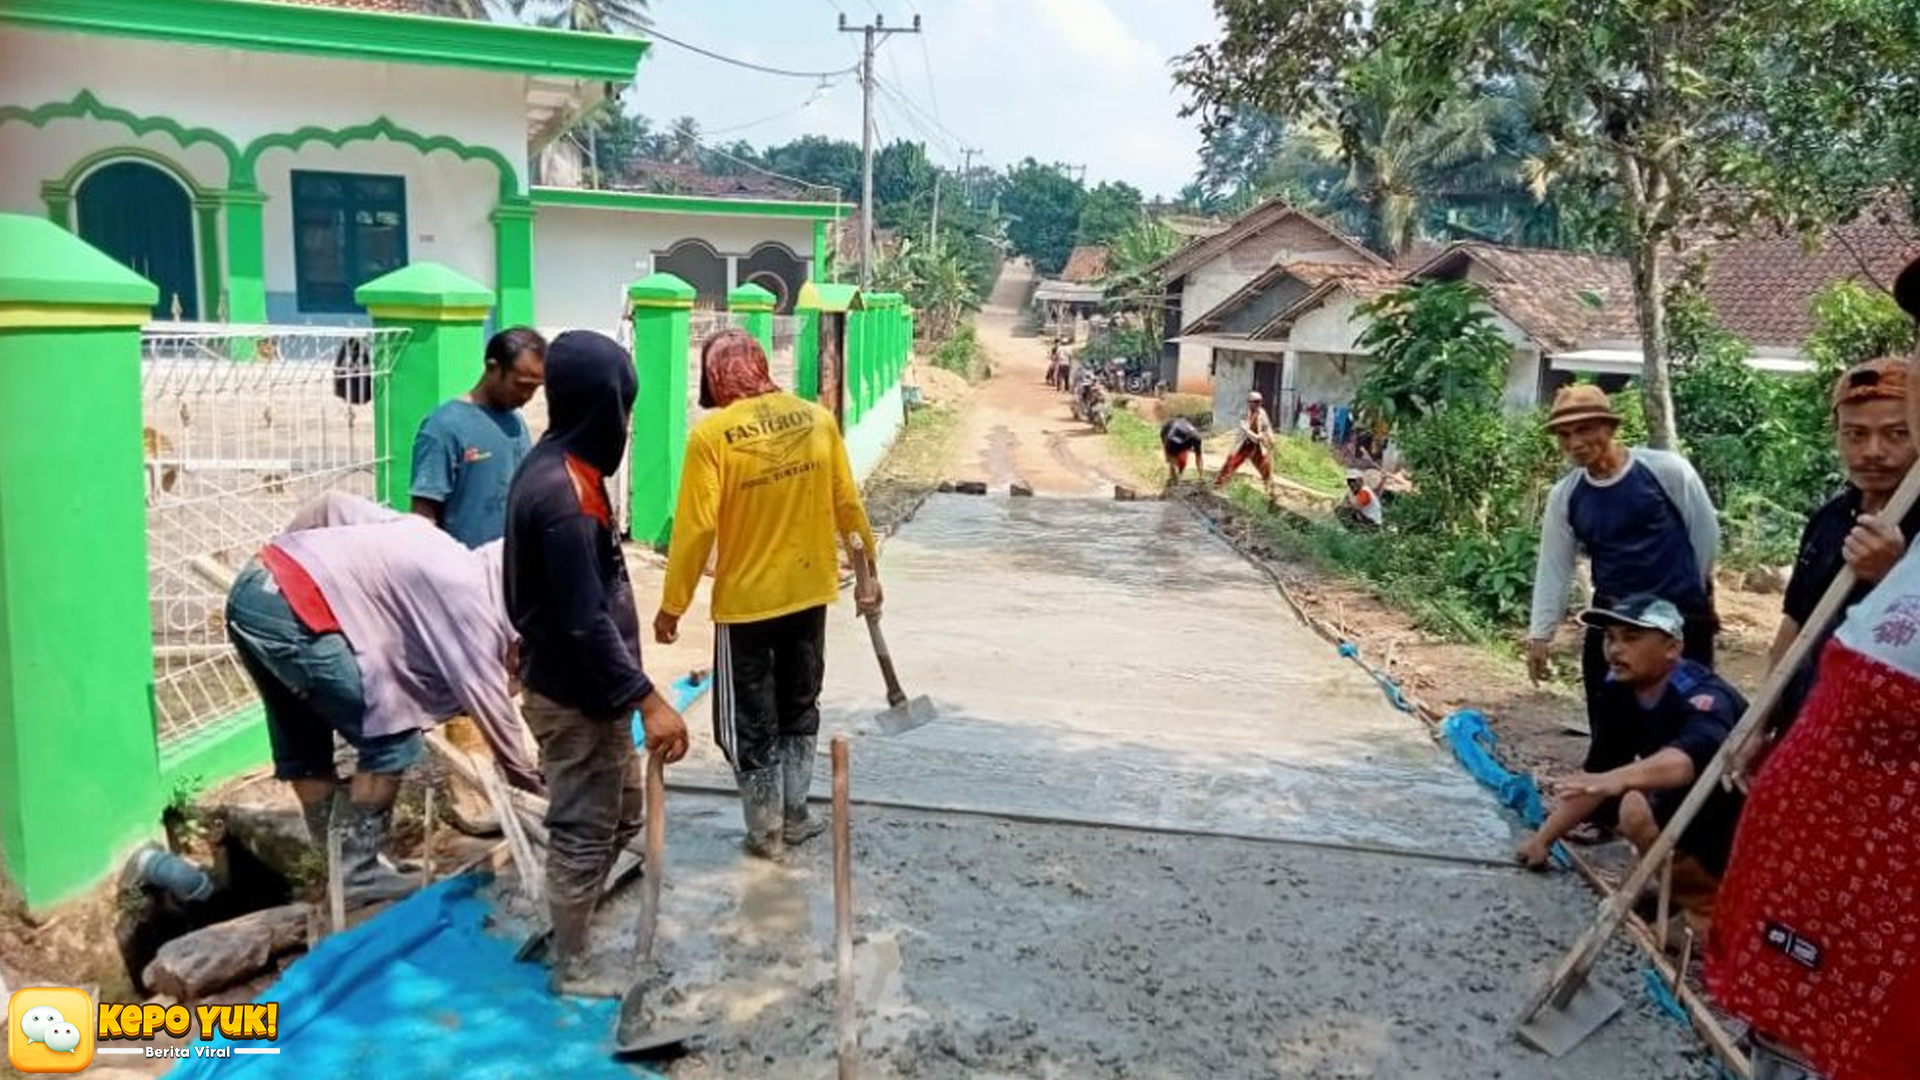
(845, 1010)
(863, 573)
(1572, 971)
(656, 808)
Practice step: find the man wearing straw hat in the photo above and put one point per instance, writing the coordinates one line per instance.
(1643, 519)
(1817, 944)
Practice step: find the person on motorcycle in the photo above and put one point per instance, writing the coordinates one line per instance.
(1256, 445)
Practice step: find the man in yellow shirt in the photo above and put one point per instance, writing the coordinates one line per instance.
(767, 480)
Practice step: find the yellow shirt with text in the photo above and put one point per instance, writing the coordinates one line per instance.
(767, 481)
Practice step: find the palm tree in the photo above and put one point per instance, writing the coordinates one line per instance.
(592, 16)
(1403, 163)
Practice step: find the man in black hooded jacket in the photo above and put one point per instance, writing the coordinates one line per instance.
(570, 598)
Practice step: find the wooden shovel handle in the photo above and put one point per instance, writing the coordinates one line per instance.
(656, 828)
(862, 574)
(846, 1012)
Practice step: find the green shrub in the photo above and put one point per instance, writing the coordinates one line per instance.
(1310, 463)
(960, 353)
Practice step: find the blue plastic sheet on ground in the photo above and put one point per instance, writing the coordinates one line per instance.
(421, 992)
(683, 693)
(1473, 743)
(1662, 997)
(1380, 678)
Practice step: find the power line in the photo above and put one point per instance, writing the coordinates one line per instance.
(802, 107)
(948, 146)
(749, 65)
(927, 122)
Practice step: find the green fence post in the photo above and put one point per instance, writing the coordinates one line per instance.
(858, 322)
(513, 261)
(79, 766)
(756, 304)
(806, 345)
(662, 306)
(886, 343)
(445, 315)
(906, 343)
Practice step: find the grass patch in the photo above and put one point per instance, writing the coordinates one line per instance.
(1409, 572)
(1136, 443)
(1309, 464)
(919, 453)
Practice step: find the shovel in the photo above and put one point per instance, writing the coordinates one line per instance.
(636, 1033)
(902, 715)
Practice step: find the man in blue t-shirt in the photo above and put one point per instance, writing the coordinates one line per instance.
(467, 450)
(464, 458)
(1644, 521)
(1661, 719)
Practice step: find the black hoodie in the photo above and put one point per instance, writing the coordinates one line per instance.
(567, 587)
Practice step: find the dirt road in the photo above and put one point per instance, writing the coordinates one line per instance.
(1016, 428)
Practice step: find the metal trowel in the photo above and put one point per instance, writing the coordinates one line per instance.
(637, 1032)
(902, 714)
(1555, 1028)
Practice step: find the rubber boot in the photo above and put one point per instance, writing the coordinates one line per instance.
(569, 975)
(760, 805)
(319, 817)
(368, 878)
(796, 778)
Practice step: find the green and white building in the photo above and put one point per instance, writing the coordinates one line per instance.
(259, 161)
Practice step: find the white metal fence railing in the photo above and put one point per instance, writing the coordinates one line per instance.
(242, 425)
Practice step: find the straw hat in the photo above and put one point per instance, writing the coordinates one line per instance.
(1574, 404)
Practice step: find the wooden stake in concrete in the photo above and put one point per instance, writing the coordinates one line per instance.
(845, 1008)
(336, 886)
(426, 841)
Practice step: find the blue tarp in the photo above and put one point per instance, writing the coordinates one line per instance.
(683, 693)
(421, 992)
(1473, 743)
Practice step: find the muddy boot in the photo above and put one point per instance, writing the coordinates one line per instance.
(761, 807)
(366, 874)
(796, 777)
(569, 976)
(319, 817)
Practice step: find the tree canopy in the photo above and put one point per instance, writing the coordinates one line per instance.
(1043, 207)
(1662, 113)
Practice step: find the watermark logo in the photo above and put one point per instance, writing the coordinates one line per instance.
(50, 1030)
(58, 1029)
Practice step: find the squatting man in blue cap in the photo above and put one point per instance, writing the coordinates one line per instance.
(1660, 719)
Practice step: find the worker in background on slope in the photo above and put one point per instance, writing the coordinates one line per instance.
(767, 480)
(1179, 440)
(1255, 445)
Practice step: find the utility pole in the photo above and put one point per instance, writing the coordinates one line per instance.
(933, 229)
(1079, 171)
(873, 33)
(966, 177)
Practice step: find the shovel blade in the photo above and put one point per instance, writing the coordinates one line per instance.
(1554, 1031)
(906, 717)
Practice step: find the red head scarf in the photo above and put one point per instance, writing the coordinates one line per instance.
(733, 366)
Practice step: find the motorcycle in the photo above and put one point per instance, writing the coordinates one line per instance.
(1090, 405)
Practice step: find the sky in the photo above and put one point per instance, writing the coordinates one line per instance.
(1080, 82)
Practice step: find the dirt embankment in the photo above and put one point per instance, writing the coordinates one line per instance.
(1542, 728)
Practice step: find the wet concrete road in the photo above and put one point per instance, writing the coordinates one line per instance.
(1116, 663)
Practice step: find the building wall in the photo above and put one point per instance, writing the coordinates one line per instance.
(448, 206)
(245, 95)
(583, 258)
(241, 97)
(1232, 378)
